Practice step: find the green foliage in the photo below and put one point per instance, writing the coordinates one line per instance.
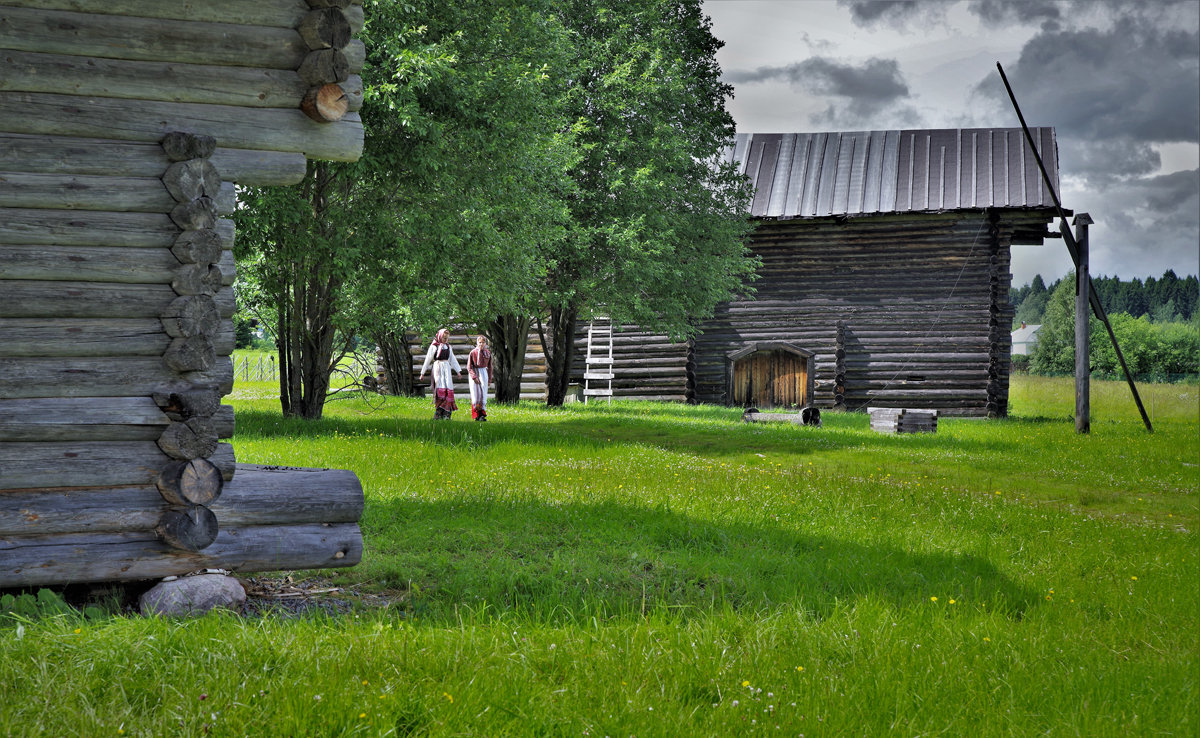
(1168, 299)
(46, 603)
(1150, 349)
(243, 331)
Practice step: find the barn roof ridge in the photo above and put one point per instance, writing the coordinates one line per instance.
(822, 174)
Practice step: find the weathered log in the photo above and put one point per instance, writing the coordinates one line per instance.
(198, 247)
(66, 155)
(194, 438)
(192, 482)
(272, 129)
(279, 13)
(191, 528)
(38, 299)
(324, 67)
(108, 557)
(81, 419)
(129, 266)
(356, 17)
(149, 80)
(195, 215)
(150, 39)
(191, 315)
(197, 279)
(256, 495)
(192, 179)
(356, 55)
(87, 228)
(324, 28)
(182, 146)
(325, 103)
(191, 354)
(45, 465)
(202, 403)
(329, 3)
(83, 192)
(104, 376)
(58, 337)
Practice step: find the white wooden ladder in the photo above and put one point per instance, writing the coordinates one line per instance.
(598, 366)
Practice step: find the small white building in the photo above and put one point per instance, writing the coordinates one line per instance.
(1025, 338)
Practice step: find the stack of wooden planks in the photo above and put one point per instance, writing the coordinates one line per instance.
(902, 420)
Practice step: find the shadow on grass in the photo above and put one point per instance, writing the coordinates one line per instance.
(588, 429)
(568, 563)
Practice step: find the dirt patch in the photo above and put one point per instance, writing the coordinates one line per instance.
(290, 597)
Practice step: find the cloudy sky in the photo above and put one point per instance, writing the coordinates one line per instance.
(1118, 79)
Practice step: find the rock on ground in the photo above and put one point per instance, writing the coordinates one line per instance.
(193, 595)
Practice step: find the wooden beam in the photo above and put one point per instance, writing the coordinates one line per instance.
(150, 39)
(47, 154)
(90, 192)
(162, 81)
(49, 299)
(100, 376)
(235, 127)
(279, 13)
(255, 496)
(81, 419)
(80, 337)
(90, 463)
(107, 557)
(1083, 314)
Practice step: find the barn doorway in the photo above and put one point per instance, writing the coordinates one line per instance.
(769, 375)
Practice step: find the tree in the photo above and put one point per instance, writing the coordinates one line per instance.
(436, 219)
(1054, 352)
(658, 226)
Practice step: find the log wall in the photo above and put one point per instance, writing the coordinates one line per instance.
(125, 126)
(899, 311)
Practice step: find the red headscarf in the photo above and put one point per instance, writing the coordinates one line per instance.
(443, 336)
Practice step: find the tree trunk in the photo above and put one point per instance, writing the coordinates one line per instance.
(396, 355)
(509, 335)
(307, 355)
(559, 343)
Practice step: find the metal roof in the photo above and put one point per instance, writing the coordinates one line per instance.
(805, 175)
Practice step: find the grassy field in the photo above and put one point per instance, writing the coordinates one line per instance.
(654, 570)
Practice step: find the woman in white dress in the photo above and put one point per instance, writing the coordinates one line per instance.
(441, 357)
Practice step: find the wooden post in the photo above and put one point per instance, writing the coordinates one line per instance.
(1083, 359)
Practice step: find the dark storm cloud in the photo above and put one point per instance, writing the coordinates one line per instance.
(867, 89)
(1009, 12)
(1136, 80)
(1110, 158)
(896, 13)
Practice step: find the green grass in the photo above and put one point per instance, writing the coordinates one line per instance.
(650, 570)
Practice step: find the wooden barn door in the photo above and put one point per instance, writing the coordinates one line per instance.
(770, 379)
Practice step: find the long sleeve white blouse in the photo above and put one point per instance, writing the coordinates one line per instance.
(442, 377)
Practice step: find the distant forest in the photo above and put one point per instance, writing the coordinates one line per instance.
(1168, 299)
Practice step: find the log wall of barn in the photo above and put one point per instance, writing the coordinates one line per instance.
(646, 365)
(899, 311)
(124, 127)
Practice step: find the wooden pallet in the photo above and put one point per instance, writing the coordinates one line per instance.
(902, 420)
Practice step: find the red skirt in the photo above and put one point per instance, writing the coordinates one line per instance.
(443, 399)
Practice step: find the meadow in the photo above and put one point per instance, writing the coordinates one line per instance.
(661, 570)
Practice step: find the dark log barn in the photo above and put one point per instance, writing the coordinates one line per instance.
(125, 126)
(884, 278)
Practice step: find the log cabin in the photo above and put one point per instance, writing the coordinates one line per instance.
(884, 277)
(125, 128)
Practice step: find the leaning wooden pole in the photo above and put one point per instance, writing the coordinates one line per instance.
(1073, 249)
(1083, 358)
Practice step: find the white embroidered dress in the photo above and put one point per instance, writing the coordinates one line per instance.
(441, 375)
